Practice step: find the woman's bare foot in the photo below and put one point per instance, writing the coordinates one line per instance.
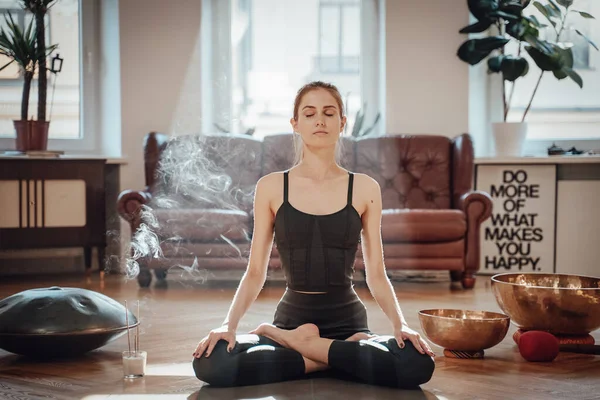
(288, 338)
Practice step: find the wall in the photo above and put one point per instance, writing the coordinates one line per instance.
(157, 41)
(427, 85)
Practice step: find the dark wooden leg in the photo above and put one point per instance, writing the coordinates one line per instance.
(144, 278)
(456, 276)
(468, 280)
(101, 261)
(160, 274)
(87, 258)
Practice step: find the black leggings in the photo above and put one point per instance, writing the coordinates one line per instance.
(259, 360)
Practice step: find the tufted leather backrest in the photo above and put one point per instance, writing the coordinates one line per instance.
(278, 152)
(413, 171)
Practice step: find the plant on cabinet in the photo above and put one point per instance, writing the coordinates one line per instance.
(505, 23)
(27, 47)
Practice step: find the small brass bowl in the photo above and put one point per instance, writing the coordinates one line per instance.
(561, 304)
(464, 330)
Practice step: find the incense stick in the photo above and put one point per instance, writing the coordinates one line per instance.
(138, 327)
(127, 322)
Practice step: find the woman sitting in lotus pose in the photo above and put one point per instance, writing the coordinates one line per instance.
(317, 212)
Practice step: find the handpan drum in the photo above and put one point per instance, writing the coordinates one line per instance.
(60, 322)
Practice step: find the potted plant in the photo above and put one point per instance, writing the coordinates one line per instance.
(505, 22)
(19, 46)
(27, 47)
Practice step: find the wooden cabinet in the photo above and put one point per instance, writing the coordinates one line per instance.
(54, 202)
(578, 227)
(546, 214)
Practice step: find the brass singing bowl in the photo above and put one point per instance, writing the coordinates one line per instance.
(561, 304)
(464, 330)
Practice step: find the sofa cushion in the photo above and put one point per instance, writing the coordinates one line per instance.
(422, 250)
(196, 268)
(204, 249)
(412, 171)
(403, 225)
(208, 171)
(424, 263)
(200, 225)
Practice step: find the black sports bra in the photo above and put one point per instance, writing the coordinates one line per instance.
(317, 251)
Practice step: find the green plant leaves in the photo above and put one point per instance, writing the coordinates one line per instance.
(512, 7)
(565, 3)
(474, 50)
(522, 28)
(502, 14)
(7, 64)
(548, 11)
(555, 8)
(559, 61)
(477, 27)
(489, 12)
(534, 21)
(575, 76)
(511, 67)
(17, 44)
(481, 8)
(586, 38)
(584, 14)
(546, 62)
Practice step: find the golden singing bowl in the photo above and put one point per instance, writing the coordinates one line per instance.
(557, 303)
(464, 330)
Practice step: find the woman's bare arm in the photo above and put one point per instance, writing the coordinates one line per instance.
(260, 251)
(372, 247)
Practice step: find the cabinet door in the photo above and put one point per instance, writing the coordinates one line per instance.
(64, 203)
(9, 204)
(33, 203)
(578, 228)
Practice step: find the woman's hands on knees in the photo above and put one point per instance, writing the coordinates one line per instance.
(405, 333)
(209, 341)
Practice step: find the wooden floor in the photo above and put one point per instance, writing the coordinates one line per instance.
(175, 318)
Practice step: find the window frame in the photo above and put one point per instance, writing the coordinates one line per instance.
(88, 141)
(339, 6)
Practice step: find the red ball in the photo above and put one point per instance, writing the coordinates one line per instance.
(538, 346)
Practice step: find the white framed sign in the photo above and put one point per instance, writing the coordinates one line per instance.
(520, 234)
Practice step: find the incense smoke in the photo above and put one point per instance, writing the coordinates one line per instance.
(196, 172)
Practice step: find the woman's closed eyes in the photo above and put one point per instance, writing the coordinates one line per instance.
(312, 115)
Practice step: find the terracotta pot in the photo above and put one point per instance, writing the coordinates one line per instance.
(32, 135)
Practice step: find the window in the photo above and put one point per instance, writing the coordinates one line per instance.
(339, 37)
(69, 24)
(560, 109)
(276, 46)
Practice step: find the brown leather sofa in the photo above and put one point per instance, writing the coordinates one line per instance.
(195, 214)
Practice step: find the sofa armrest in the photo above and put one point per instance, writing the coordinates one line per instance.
(129, 205)
(463, 154)
(477, 206)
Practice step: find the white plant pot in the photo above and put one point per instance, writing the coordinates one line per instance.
(509, 138)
